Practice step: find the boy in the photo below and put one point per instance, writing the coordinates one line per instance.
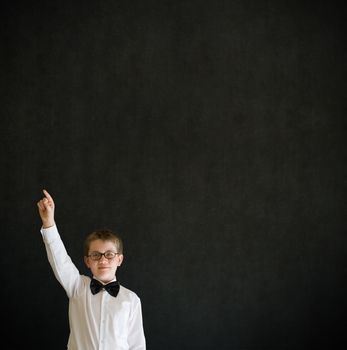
(102, 313)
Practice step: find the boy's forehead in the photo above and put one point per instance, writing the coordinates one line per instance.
(101, 245)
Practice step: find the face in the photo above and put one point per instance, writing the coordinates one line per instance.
(103, 269)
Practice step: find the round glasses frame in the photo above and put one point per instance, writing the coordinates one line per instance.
(109, 255)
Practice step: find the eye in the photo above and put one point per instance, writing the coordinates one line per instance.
(110, 255)
(95, 255)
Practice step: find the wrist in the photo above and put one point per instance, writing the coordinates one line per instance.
(48, 224)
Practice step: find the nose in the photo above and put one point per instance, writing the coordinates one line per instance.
(103, 259)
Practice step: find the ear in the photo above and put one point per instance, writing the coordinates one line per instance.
(120, 259)
(86, 261)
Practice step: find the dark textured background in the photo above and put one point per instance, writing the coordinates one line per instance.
(210, 134)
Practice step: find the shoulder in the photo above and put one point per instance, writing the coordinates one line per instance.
(128, 294)
(85, 279)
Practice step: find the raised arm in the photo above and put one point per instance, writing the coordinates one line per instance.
(64, 269)
(46, 208)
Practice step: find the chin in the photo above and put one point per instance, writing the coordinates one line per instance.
(105, 276)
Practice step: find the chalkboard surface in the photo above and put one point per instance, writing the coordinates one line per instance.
(210, 135)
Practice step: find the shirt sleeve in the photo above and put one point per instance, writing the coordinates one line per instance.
(64, 269)
(136, 339)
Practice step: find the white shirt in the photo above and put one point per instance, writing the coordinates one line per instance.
(100, 321)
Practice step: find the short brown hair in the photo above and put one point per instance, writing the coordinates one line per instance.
(104, 234)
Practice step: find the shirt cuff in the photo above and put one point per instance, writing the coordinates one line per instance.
(49, 234)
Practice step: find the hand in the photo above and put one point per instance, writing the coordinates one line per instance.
(46, 210)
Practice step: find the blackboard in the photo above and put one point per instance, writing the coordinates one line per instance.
(210, 135)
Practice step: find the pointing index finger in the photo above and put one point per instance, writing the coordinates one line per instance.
(48, 196)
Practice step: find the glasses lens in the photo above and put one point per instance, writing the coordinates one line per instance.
(95, 255)
(110, 255)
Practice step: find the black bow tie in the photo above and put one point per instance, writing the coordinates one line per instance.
(112, 287)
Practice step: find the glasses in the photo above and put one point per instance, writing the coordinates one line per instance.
(109, 255)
